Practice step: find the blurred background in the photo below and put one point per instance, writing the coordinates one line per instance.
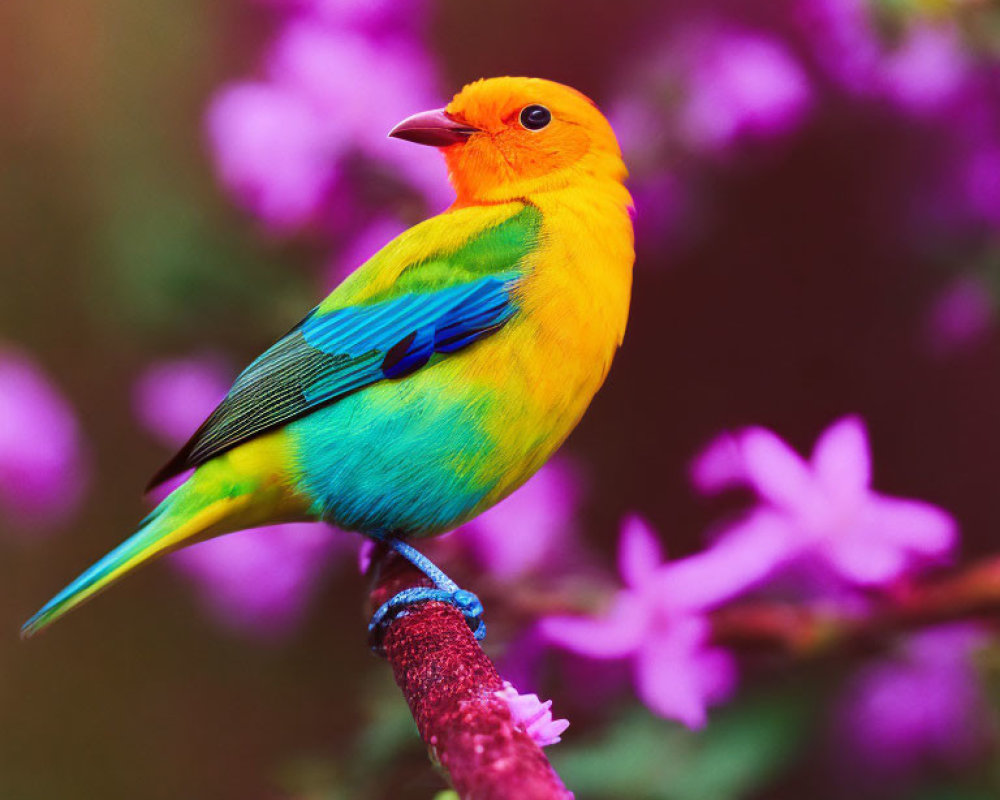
(817, 191)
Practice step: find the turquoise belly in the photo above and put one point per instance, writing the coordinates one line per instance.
(401, 456)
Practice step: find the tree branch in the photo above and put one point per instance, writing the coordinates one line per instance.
(802, 631)
(450, 686)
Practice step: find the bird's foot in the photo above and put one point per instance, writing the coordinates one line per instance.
(445, 590)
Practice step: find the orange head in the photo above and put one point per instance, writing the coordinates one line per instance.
(505, 138)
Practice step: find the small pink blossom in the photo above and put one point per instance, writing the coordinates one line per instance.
(659, 620)
(42, 474)
(825, 508)
(533, 716)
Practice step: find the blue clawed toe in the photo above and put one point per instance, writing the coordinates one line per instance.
(445, 590)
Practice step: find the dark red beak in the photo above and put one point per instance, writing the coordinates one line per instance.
(435, 128)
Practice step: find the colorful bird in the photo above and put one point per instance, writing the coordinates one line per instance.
(443, 372)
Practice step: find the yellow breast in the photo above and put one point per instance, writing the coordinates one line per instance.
(556, 354)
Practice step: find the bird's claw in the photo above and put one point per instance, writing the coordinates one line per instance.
(445, 590)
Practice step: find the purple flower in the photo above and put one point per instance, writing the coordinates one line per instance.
(330, 94)
(742, 85)
(658, 621)
(705, 90)
(961, 315)
(42, 475)
(324, 64)
(533, 716)
(825, 508)
(844, 40)
(259, 582)
(927, 71)
(529, 530)
(721, 86)
(922, 72)
(921, 707)
(273, 152)
(253, 583)
(172, 398)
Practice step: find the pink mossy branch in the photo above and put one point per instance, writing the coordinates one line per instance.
(450, 686)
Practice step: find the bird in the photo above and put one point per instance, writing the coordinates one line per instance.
(444, 371)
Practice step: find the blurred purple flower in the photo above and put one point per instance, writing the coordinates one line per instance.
(961, 315)
(273, 152)
(254, 583)
(42, 475)
(259, 582)
(399, 78)
(927, 70)
(533, 716)
(825, 508)
(922, 707)
(172, 398)
(531, 529)
(920, 73)
(706, 90)
(330, 93)
(722, 86)
(843, 39)
(370, 15)
(658, 620)
(742, 85)
(955, 188)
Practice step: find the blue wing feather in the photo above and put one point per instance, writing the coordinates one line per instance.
(330, 355)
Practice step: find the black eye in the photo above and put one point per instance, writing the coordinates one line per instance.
(534, 118)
